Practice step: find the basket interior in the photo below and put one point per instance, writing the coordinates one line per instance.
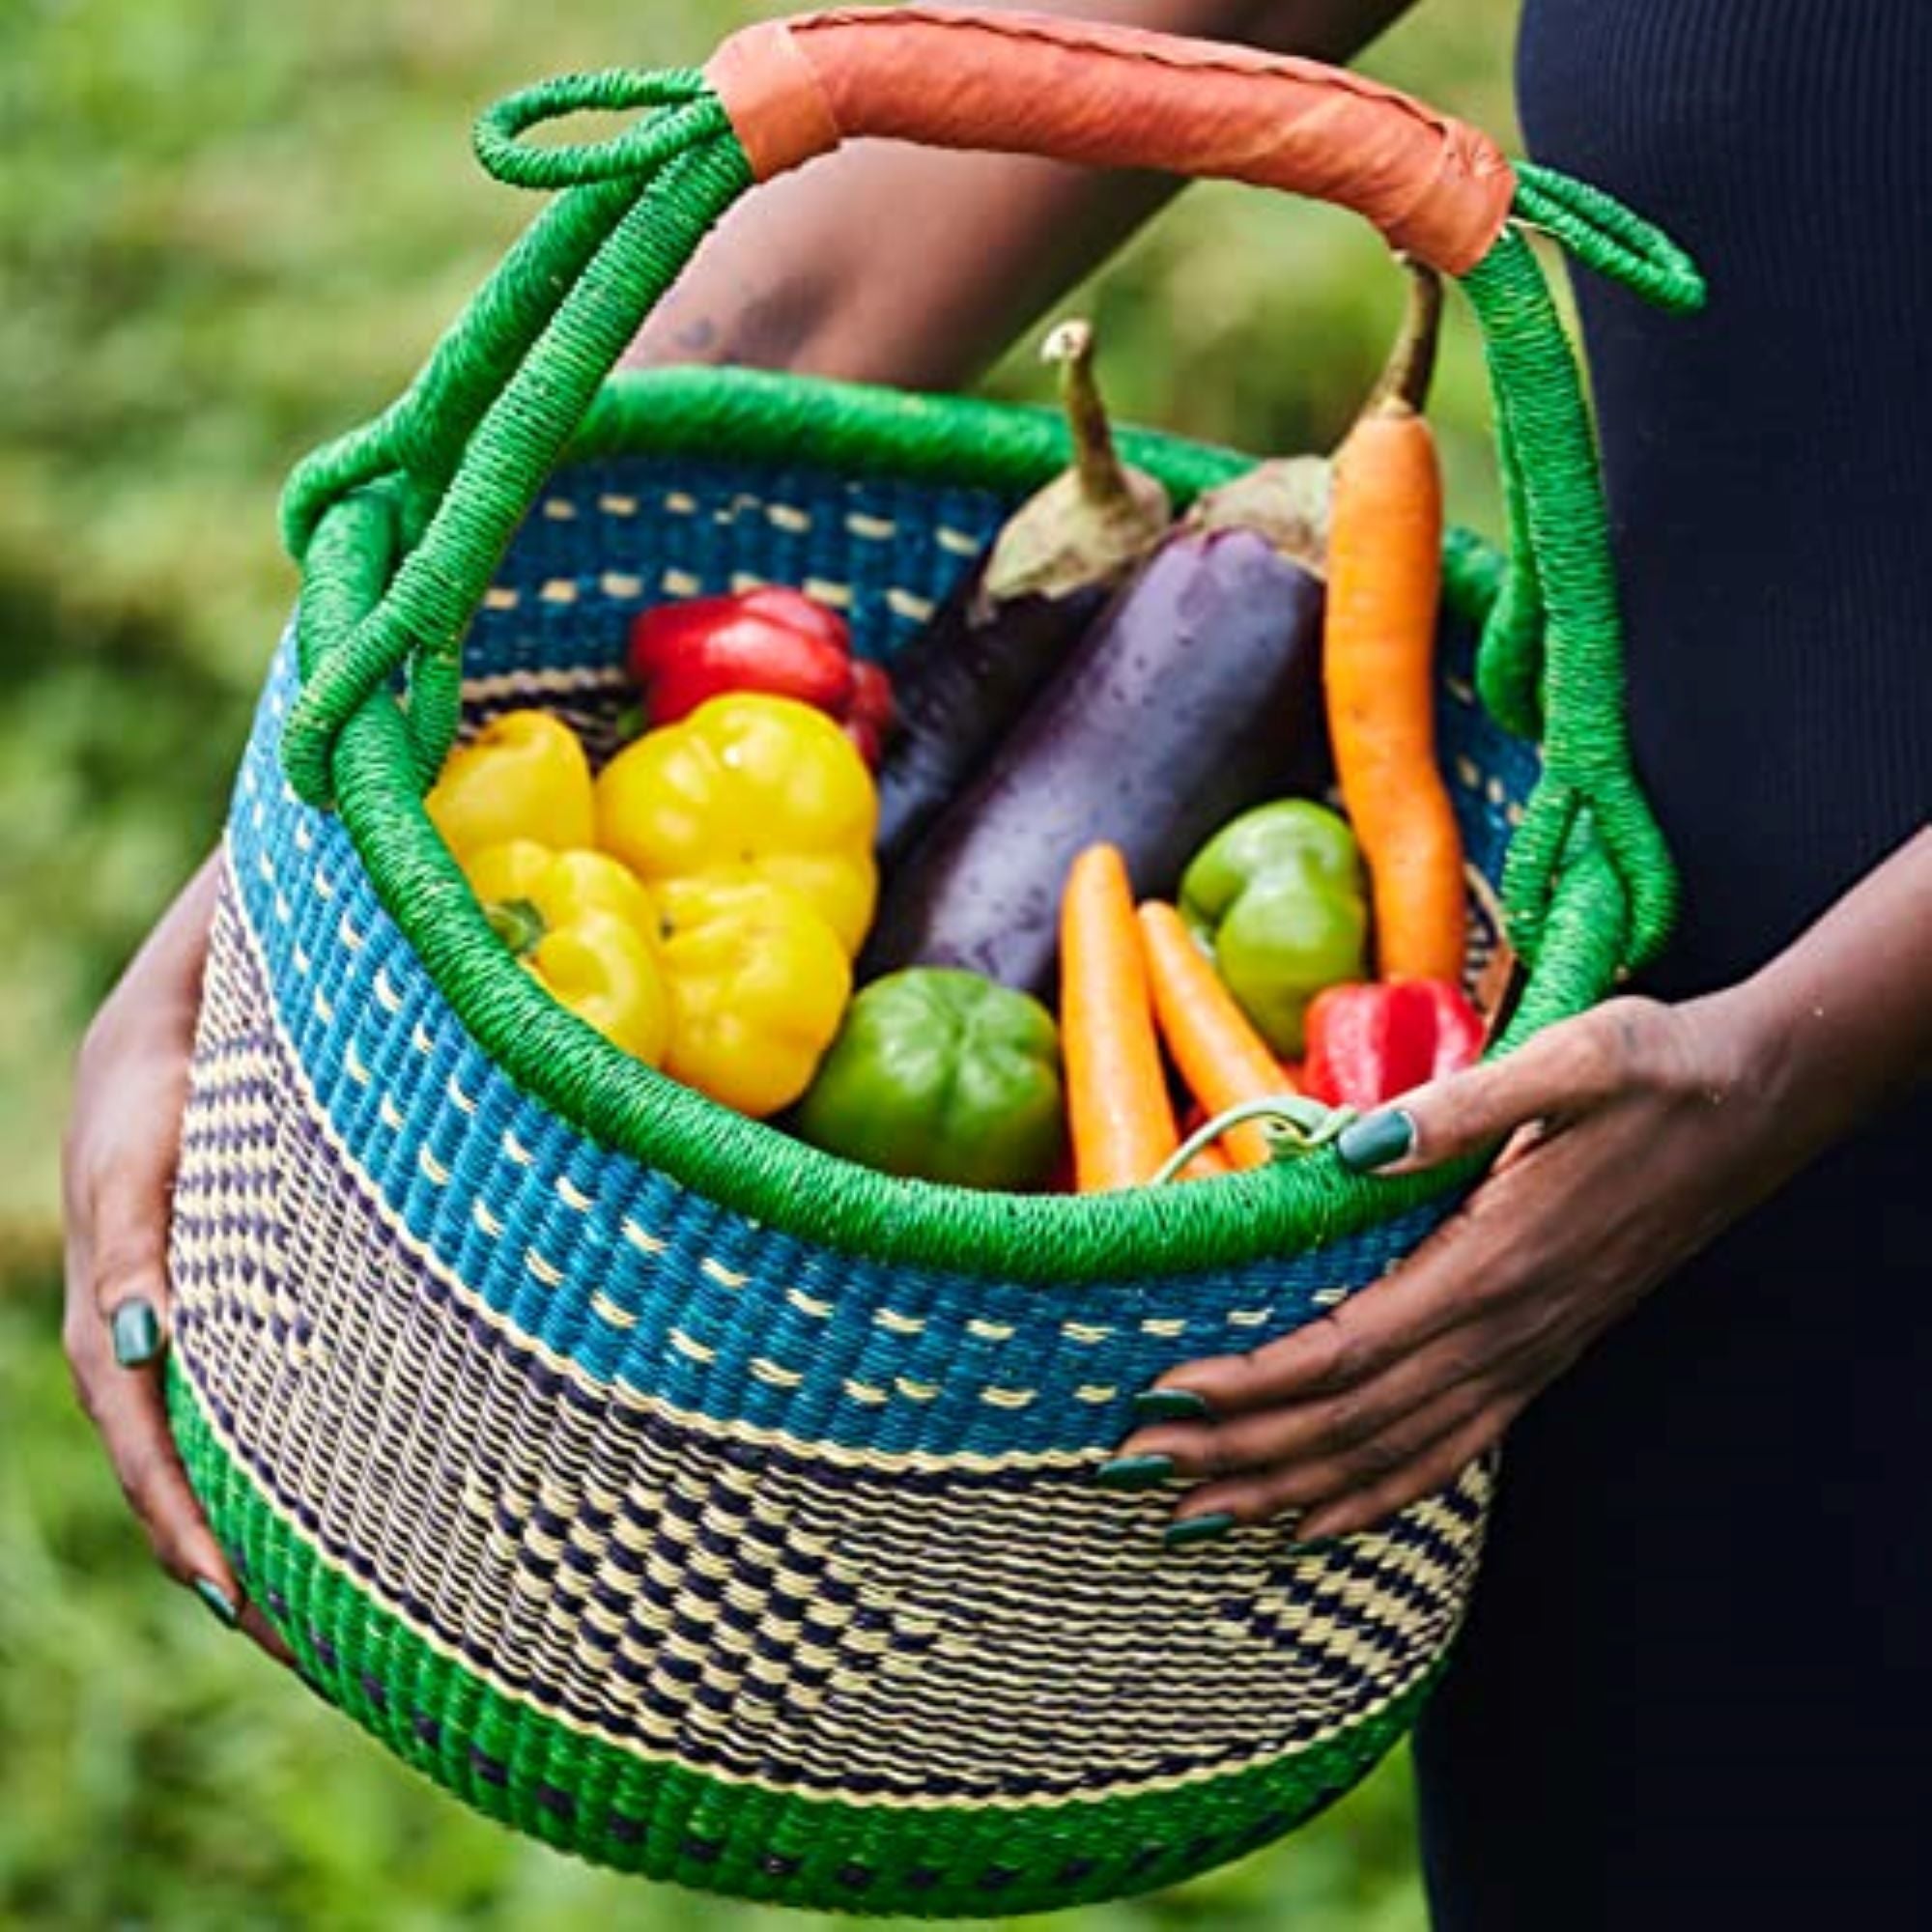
(614, 537)
(899, 497)
(470, 1391)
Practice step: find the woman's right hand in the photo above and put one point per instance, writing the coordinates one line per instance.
(118, 1171)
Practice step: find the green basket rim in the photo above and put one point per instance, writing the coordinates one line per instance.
(748, 1166)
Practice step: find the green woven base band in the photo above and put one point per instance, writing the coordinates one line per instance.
(665, 1822)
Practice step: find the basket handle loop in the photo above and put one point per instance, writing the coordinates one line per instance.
(1115, 97)
(473, 440)
(466, 453)
(1561, 565)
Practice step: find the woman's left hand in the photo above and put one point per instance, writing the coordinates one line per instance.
(1631, 1136)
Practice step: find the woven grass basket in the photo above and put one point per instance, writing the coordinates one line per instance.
(667, 1489)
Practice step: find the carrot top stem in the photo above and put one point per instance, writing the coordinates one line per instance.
(1403, 386)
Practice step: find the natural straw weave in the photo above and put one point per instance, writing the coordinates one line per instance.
(668, 1489)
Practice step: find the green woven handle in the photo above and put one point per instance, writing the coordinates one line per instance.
(452, 468)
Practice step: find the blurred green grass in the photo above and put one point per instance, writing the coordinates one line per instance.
(226, 230)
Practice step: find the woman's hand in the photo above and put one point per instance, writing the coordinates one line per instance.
(1631, 1137)
(118, 1172)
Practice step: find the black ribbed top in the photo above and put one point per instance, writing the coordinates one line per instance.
(1694, 1686)
(1770, 461)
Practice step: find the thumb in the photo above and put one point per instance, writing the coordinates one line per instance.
(1564, 1071)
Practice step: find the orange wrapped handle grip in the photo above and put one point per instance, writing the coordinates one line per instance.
(1115, 97)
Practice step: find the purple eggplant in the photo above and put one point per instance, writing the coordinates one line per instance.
(1011, 619)
(1197, 694)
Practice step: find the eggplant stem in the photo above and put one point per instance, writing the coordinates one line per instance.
(1404, 387)
(1103, 482)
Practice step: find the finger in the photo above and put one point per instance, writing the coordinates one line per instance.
(119, 1188)
(1328, 1426)
(132, 1082)
(129, 1410)
(265, 1638)
(115, 1335)
(1265, 1496)
(1499, 1281)
(1564, 1071)
(118, 1306)
(118, 1173)
(1431, 1473)
(126, 1408)
(1469, 1268)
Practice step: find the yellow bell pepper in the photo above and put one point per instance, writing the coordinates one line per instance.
(588, 930)
(748, 787)
(759, 983)
(524, 775)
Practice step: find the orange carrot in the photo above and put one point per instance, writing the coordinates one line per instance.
(1378, 646)
(1121, 1117)
(1222, 1060)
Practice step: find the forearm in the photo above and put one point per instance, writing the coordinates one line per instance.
(1845, 1013)
(886, 263)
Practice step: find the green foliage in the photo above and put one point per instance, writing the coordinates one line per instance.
(226, 230)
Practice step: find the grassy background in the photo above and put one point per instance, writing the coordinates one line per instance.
(226, 231)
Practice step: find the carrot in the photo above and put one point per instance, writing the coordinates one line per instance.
(1378, 646)
(1222, 1060)
(1121, 1117)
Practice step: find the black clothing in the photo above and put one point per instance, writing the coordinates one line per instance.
(1697, 1686)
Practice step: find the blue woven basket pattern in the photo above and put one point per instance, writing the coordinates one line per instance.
(564, 1418)
(383, 1009)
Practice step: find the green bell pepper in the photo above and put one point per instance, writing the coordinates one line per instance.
(1277, 896)
(942, 1076)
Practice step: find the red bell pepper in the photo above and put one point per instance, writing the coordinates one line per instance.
(770, 640)
(1368, 1044)
(869, 714)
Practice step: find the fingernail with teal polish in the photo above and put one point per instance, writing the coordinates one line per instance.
(1187, 1530)
(1171, 1405)
(1134, 1473)
(222, 1606)
(137, 1334)
(1376, 1140)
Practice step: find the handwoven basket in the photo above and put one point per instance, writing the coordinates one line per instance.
(668, 1489)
